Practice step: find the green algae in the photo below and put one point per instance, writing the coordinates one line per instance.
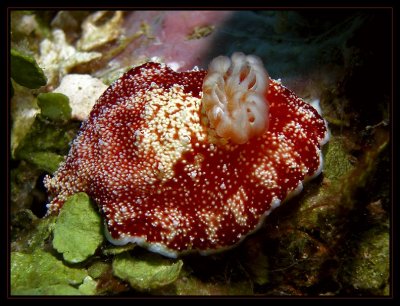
(48, 136)
(78, 230)
(46, 144)
(147, 273)
(369, 267)
(40, 273)
(22, 220)
(30, 233)
(47, 161)
(23, 113)
(23, 180)
(97, 269)
(36, 239)
(336, 159)
(88, 287)
(54, 106)
(320, 205)
(25, 71)
(117, 249)
(314, 234)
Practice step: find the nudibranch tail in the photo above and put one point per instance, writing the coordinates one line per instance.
(234, 97)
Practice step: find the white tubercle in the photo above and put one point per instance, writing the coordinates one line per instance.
(234, 97)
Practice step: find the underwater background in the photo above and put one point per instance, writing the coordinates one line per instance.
(333, 239)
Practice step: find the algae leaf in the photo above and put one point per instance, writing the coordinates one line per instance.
(89, 286)
(25, 71)
(147, 273)
(32, 231)
(23, 109)
(47, 136)
(54, 106)
(78, 230)
(47, 161)
(370, 267)
(97, 269)
(40, 273)
(118, 249)
(46, 143)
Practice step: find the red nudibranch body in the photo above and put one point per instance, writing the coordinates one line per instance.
(191, 161)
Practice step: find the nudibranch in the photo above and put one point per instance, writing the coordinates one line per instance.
(191, 161)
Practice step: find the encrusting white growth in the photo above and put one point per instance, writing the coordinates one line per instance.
(234, 97)
(83, 91)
